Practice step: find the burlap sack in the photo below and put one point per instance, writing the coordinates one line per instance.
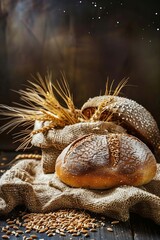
(55, 140)
(26, 183)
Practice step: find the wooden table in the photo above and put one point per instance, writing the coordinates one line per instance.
(137, 228)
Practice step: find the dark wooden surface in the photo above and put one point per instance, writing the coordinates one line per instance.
(137, 228)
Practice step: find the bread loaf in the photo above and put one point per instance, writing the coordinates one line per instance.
(105, 161)
(137, 120)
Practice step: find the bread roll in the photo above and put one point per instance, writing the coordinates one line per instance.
(105, 161)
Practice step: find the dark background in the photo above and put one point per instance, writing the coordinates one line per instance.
(88, 40)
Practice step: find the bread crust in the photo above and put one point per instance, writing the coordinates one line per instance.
(137, 120)
(105, 161)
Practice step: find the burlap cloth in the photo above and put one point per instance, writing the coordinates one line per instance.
(26, 183)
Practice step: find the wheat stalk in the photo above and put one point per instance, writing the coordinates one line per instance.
(40, 103)
(101, 108)
(108, 91)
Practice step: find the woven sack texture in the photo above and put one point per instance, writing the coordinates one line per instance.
(26, 183)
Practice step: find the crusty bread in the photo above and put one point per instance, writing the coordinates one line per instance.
(105, 161)
(137, 120)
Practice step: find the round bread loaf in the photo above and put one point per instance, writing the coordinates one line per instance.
(105, 161)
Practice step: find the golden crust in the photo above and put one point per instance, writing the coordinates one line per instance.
(97, 162)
